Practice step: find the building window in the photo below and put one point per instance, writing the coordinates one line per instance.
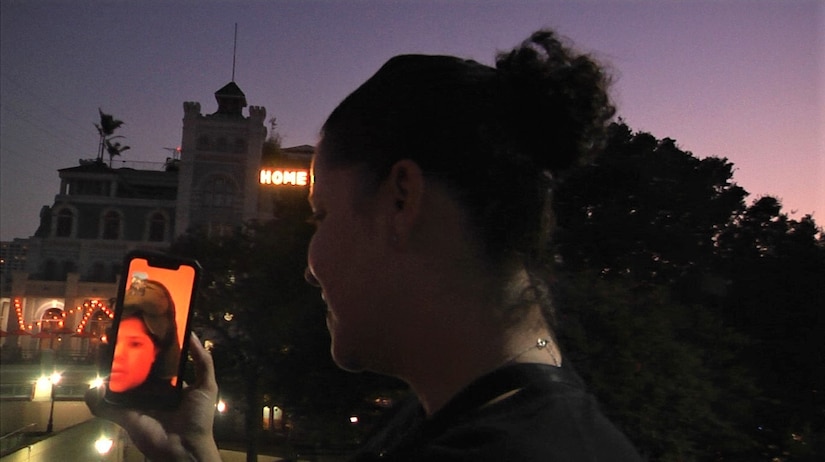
(111, 225)
(157, 227)
(65, 222)
(50, 271)
(219, 193)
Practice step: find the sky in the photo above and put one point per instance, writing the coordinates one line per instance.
(744, 79)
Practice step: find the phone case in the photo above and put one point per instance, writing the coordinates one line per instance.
(148, 341)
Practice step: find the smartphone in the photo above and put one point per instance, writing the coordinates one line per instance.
(148, 341)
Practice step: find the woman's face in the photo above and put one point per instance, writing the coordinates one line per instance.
(134, 355)
(348, 258)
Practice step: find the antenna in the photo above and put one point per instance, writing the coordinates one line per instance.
(234, 51)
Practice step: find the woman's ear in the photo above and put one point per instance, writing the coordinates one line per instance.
(405, 185)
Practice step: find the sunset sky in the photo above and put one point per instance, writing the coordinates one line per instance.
(738, 79)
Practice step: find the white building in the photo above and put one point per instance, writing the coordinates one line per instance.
(62, 299)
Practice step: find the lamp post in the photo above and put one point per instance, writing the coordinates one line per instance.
(54, 379)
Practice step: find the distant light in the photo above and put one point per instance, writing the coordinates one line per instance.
(103, 445)
(55, 378)
(221, 406)
(96, 383)
(42, 389)
(353, 419)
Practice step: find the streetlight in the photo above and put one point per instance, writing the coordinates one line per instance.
(103, 445)
(96, 383)
(54, 379)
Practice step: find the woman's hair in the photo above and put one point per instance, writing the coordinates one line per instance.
(151, 302)
(497, 138)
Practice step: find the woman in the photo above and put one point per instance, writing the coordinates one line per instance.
(431, 194)
(147, 348)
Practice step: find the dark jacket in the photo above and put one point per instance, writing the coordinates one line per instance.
(549, 418)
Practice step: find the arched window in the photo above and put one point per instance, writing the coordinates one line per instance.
(111, 225)
(157, 227)
(52, 320)
(219, 193)
(65, 222)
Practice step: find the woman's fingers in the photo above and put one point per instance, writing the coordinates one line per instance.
(204, 367)
(126, 418)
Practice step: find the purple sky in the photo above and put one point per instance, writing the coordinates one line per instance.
(738, 79)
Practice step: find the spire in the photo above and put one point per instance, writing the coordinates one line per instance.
(234, 51)
(231, 100)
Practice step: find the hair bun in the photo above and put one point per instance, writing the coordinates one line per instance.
(557, 101)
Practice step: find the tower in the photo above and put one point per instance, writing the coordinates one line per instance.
(220, 158)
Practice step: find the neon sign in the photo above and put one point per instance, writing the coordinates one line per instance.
(284, 177)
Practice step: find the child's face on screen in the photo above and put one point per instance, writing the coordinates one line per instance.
(135, 353)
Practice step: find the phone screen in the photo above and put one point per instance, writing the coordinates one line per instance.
(148, 341)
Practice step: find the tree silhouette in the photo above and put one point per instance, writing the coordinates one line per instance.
(114, 148)
(697, 319)
(776, 296)
(106, 128)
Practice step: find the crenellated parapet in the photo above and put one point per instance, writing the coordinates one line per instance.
(191, 109)
(257, 114)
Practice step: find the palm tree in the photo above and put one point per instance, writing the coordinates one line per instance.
(114, 149)
(106, 128)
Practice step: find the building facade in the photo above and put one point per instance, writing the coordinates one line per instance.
(61, 298)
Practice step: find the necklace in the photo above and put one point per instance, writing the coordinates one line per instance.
(541, 344)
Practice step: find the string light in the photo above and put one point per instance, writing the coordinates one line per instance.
(18, 308)
(89, 308)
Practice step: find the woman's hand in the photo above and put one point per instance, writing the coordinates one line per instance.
(184, 433)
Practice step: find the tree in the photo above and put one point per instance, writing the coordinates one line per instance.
(666, 272)
(114, 148)
(252, 306)
(645, 209)
(776, 296)
(667, 373)
(106, 128)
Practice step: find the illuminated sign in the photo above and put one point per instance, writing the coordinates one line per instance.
(284, 177)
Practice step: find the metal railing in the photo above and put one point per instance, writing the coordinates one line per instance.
(14, 439)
